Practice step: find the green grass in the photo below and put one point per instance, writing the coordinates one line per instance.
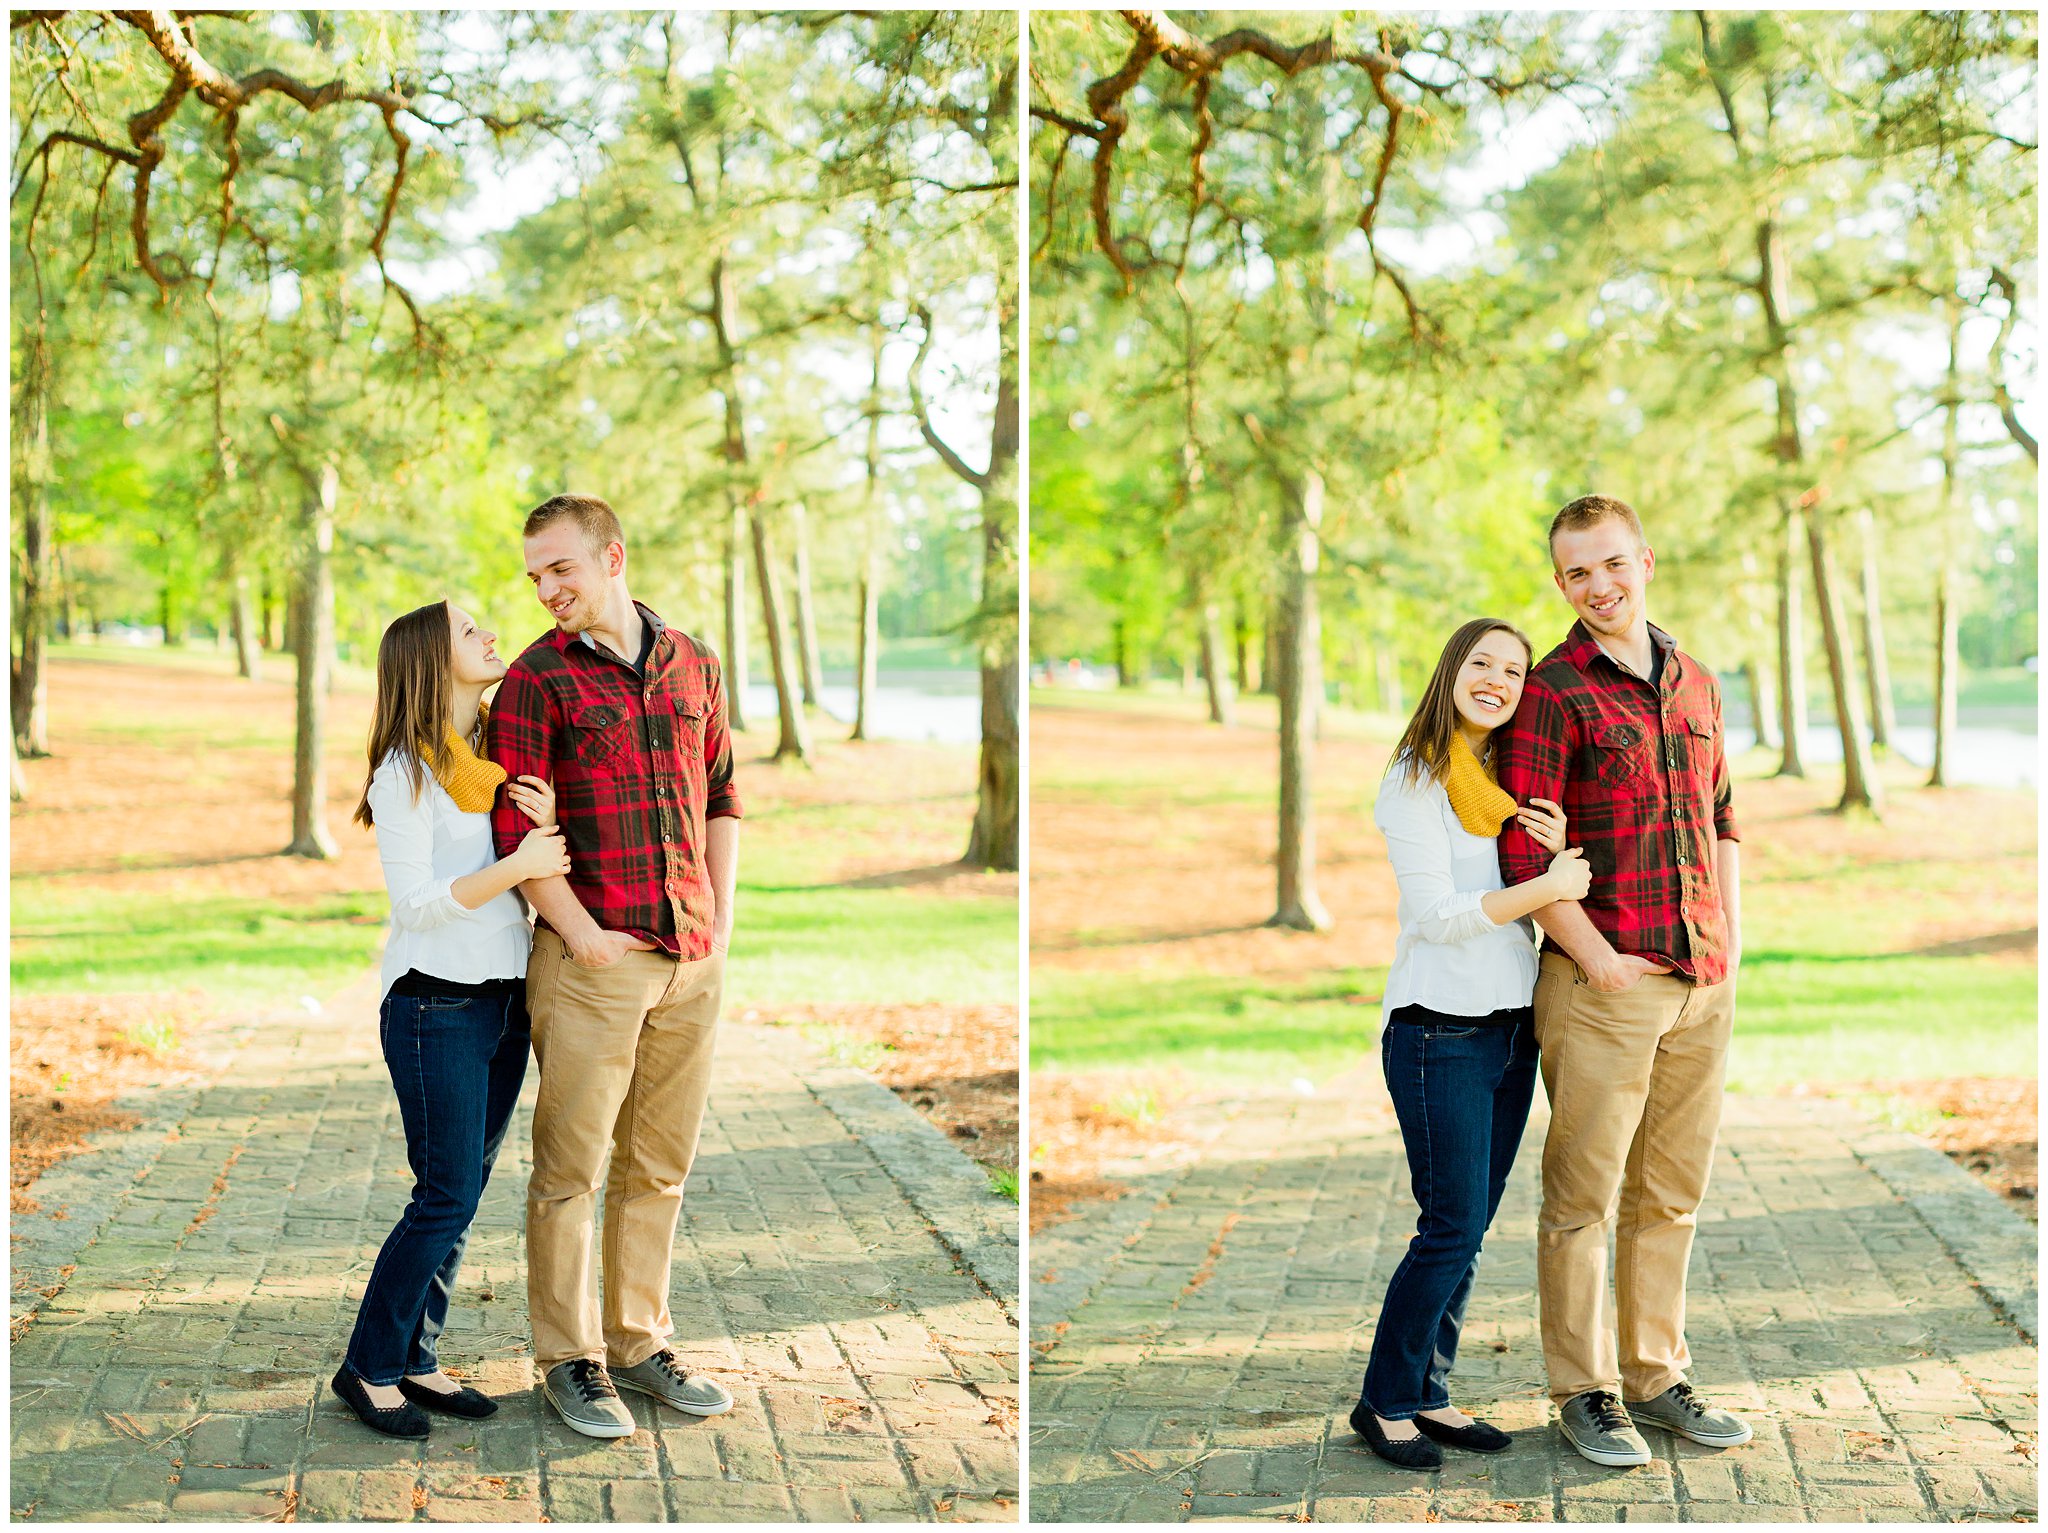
(241, 951)
(872, 947)
(1002, 1181)
(1209, 1028)
(1800, 1018)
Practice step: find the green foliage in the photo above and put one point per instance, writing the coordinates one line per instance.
(1602, 333)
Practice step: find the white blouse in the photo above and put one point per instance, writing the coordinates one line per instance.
(1451, 956)
(426, 844)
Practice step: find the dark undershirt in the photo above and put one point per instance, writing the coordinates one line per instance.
(1415, 1015)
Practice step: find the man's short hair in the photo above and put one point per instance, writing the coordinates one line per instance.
(1591, 511)
(598, 522)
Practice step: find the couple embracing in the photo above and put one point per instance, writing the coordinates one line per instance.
(1587, 791)
(597, 791)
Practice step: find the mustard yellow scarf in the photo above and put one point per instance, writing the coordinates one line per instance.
(470, 780)
(1481, 804)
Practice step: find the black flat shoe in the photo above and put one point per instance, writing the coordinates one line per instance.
(1477, 1438)
(1409, 1453)
(393, 1421)
(465, 1402)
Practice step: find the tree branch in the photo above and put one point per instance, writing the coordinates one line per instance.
(918, 409)
(2002, 280)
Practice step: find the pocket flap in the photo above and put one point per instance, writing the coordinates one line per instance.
(599, 716)
(689, 707)
(1704, 728)
(1619, 737)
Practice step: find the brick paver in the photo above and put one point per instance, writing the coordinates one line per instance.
(181, 1370)
(1196, 1358)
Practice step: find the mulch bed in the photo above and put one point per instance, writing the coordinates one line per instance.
(69, 1057)
(957, 1065)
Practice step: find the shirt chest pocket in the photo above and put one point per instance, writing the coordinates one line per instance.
(1621, 754)
(598, 734)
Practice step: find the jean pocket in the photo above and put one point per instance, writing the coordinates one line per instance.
(1447, 1030)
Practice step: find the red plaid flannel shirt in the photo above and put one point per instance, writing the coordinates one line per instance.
(1643, 779)
(639, 765)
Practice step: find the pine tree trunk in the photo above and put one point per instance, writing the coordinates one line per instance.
(1947, 653)
(1300, 684)
(1387, 666)
(996, 842)
(242, 618)
(17, 785)
(1222, 703)
(868, 642)
(314, 646)
(30, 698)
(1947, 675)
(1120, 638)
(1791, 651)
(1763, 707)
(794, 740)
(1241, 633)
(735, 656)
(806, 616)
(1860, 787)
(1272, 651)
(1877, 668)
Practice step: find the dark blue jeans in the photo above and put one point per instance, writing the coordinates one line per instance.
(1462, 1094)
(457, 1062)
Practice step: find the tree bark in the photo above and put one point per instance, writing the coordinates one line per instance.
(1763, 707)
(1300, 685)
(806, 616)
(868, 642)
(1791, 651)
(1860, 787)
(1222, 703)
(313, 643)
(735, 657)
(17, 785)
(1120, 639)
(29, 691)
(996, 841)
(794, 739)
(1947, 654)
(241, 617)
(1877, 668)
(1241, 632)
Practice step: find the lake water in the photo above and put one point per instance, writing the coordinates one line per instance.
(1990, 756)
(943, 707)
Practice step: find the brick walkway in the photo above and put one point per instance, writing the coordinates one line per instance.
(1199, 1343)
(181, 1370)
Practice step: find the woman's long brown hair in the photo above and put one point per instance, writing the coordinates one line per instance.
(1427, 739)
(415, 697)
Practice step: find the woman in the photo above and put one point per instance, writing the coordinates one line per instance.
(453, 1022)
(1459, 1044)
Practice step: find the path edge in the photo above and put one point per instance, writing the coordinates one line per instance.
(951, 1191)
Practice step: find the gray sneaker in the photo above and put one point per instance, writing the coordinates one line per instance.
(582, 1395)
(1679, 1410)
(662, 1376)
(1596, 1425)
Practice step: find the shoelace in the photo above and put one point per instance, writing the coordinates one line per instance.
(669, 1364)
(590, 1381)
(1607, 1412)
(1687, 1400)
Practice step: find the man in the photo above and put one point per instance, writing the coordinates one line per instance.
(626, 717)
(1635, 997)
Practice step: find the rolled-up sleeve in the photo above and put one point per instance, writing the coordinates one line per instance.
(1531, 755)
(721, 793)
(520, 738)
(1419, 847)
(1725, 828)
(405, 846)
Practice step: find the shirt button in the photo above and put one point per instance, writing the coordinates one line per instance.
(666, 836)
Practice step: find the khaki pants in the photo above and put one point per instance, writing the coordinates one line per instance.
(625, 1067)
(1634, 1080)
